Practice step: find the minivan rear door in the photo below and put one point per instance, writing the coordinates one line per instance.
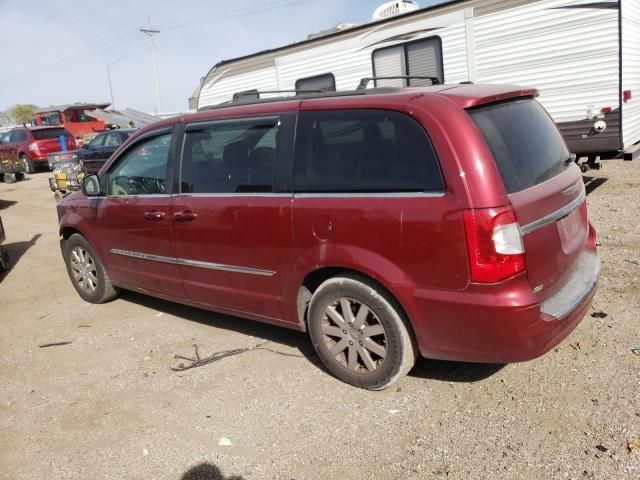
(545, 189)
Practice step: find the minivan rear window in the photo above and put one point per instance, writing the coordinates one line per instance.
(524, 141)
(49, 133)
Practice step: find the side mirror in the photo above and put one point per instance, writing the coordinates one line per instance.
(91, 186)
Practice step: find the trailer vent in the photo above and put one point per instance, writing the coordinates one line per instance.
(391, 9)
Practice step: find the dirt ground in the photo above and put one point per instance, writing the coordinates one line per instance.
(108, 405)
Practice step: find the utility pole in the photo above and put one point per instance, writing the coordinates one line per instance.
(150, 33)
(109, 65)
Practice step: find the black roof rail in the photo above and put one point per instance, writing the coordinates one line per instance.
(365, 81)
(255, 94)
(252, 99)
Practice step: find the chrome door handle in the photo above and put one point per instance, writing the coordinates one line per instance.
(185, 216)
(153, 216)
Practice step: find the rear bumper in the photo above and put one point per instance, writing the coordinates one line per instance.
(501, 323)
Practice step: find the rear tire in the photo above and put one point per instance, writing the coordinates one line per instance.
(360, 332)
(26, 164)
(87, 274)
(4, 260)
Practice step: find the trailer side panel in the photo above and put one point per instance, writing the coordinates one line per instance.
(630, 10)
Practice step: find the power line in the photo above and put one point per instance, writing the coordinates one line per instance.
(242, 12)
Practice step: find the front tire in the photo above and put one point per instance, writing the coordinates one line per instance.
(87, 274)
(360, 333)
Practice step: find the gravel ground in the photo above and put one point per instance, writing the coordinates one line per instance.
(109, 406)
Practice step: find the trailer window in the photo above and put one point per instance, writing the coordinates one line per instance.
(246, 95)
(324, 83)
(363, 151)
(421, 58)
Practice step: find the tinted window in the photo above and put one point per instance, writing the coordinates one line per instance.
(15, 136)
(324, 83)
(142, 170)
(230, 157)
(524, 141)
(363, 151)
(49, 133)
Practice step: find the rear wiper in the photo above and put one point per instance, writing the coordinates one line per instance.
(570, 159)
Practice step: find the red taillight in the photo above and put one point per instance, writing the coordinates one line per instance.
(605, 110)
(495, 244)
(626, 96)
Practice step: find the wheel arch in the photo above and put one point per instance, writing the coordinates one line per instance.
(315, 278)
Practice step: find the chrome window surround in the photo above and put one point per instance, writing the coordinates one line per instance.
(194, 263)
(369, 195)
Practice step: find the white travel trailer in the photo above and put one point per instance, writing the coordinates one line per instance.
(583, 56)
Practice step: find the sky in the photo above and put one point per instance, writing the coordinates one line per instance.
(57, 51)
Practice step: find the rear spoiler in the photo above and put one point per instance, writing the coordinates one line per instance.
(470, 96)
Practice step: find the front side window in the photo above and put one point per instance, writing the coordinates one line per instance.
(230, 156)
(422, 58)
(5, 138)
(142, 170)
(363, 151)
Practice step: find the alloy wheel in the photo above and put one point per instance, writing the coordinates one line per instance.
(84, 269)
(354, 335)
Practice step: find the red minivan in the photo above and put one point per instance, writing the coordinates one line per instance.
(447, 221)
(31, 146)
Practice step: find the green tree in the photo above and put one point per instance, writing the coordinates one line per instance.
(22, 113)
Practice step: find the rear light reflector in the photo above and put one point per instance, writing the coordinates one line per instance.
(605, 110)
(626, 96)
(495, 244)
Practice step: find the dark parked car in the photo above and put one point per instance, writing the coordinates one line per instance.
(31, 145)
(101, 147)
(448, 221)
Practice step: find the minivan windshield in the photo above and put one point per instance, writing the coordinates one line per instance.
(524, 141)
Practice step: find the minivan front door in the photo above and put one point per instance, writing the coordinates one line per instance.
(232, 231)
(134, 222)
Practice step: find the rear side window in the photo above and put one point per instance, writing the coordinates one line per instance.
(230, 156)
(49, 133)
(524, 141)
(363, 151)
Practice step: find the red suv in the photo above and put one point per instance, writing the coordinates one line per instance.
(32, 145)
(448, 221)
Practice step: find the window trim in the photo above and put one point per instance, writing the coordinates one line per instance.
(316, 77)
(404, 46)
